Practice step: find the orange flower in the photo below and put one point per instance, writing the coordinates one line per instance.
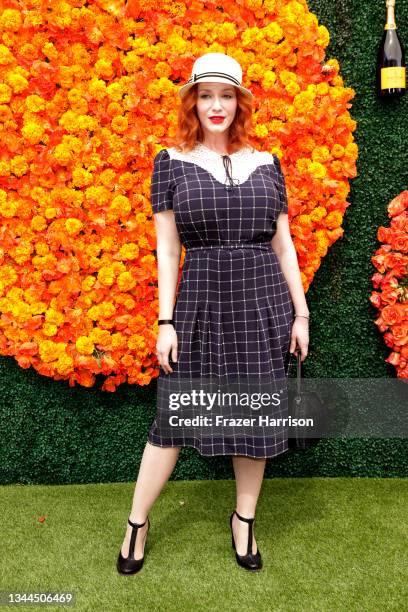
(392, 279)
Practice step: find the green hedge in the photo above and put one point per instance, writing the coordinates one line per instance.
(52, 433)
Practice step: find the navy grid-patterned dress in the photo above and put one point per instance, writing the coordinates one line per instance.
(233, 313)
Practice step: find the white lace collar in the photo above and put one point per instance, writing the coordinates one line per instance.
(243, 162)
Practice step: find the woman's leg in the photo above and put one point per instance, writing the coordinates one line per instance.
(248, 476)
(155, 469)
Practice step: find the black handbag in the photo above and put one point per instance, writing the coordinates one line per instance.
(305, 404)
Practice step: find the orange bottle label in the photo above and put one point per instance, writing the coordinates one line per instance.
(393, 76)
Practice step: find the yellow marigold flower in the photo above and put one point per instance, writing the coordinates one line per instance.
(73, 226)
(317, 170)
(136, 342)
(322, 89)
(337, 150)
(97, 88)
(48, 351)
(324, 36)
(8, 208)
(336, 93)
(73, 143)
(160, 87)
(303, 102)
(93, 313)
(269, 79)
(63, 155)
(292, 88)
(132, 62)
(21, 253)
(160, 68)
(317, 214)
(49, 329)
(118, 267)
(35, 103)
(255, 71)
(8, 275)
(94, 262)
(33, 132)
(4, 168)
(143, 242)
(107, 177)
(351, 150)
(148, 260)
(84, 345)
(129, 251)
(287, 76)
(5, 93)
(126, 281)
(333, 219)
(93, 249)
(88, 283)
(10, 19)
(118, 341)
(116, 159)
(126, 180)
(17, 82)
(261, 130)
(6, 57)
(119, 124)
(251, 37)
(64, 365)
(107, 309)
(121, 205)
(115, 91)
(114, 109)
(322, 242)
(129, 303)
(50, 212)
(81, 178)
(99, 336)
(75, 96)
(42, 248)
(321, 154)
(304, 220)
(53, 316)
(227, 32)
(106, 276)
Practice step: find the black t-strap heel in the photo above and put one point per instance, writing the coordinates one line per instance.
(249, 561)
(129, 565)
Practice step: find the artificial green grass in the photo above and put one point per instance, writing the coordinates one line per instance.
(327, 544)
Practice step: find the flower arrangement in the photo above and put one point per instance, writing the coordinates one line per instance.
(391, 281)
(87, 98)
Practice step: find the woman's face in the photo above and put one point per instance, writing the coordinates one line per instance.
(216, 100)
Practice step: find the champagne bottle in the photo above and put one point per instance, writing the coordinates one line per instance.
(391, 77)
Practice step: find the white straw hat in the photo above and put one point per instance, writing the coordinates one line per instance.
(215, 68)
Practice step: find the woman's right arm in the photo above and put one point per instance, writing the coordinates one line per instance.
(168, 263)
(168, 250)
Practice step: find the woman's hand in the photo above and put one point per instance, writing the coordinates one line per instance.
(300, 337)
(166, 342)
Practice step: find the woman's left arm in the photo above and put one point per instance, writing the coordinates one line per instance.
(284, 248)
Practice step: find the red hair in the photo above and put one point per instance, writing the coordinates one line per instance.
(189, 130)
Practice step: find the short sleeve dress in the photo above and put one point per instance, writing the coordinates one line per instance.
(233, 312)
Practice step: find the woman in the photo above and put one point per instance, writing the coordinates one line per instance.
(241, 307)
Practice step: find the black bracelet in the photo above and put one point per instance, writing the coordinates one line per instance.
(164, 321)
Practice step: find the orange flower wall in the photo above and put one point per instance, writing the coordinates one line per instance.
(88, 96)
(391, 280)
